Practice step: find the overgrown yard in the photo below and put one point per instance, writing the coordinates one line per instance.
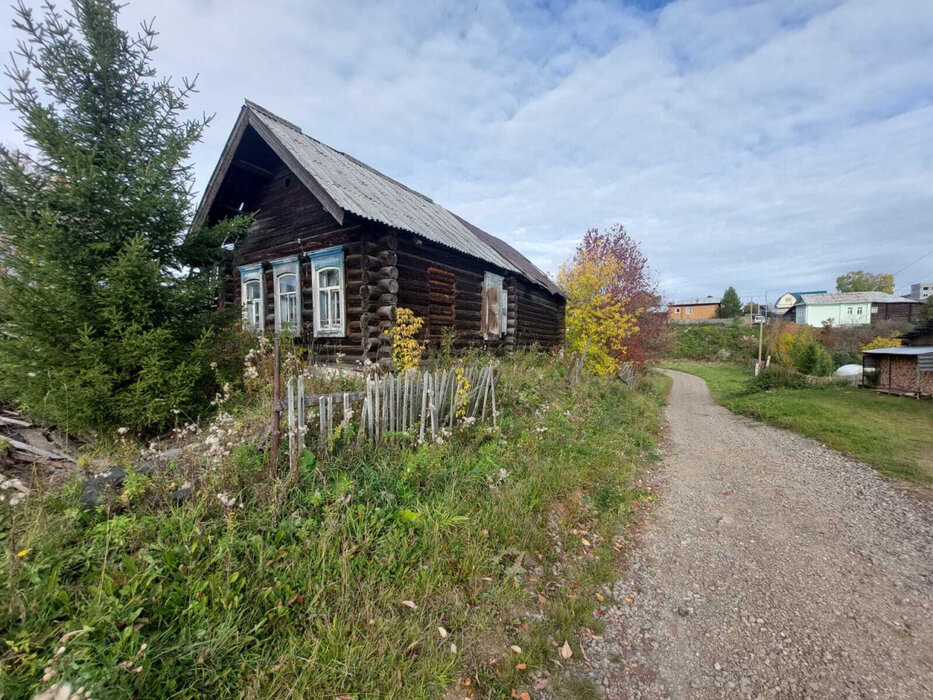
(894, 434)
(387, 572)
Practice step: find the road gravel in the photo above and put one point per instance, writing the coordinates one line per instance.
(771, 567)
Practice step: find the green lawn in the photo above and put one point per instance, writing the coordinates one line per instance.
(892, 433)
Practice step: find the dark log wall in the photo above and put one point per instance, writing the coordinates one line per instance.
(540, 316)
(897, 312)
(289, 220)
(534, 315)
(385, 269)
(419, 262)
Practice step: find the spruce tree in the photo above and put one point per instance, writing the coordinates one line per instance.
(730, 306)
(104, 307)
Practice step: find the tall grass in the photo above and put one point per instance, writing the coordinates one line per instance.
(500, 537)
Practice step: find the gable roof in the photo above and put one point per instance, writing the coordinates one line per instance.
(855, 298)
(344, 184)
(696, 302)
(798, 295)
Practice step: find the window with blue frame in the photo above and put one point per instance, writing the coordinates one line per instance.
(287, 286)
(329, 293)
(252, 296)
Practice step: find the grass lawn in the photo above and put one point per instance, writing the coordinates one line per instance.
(892, 433)
(390, 571)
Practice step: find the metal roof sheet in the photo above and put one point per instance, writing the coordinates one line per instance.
(364, 191)
(696, 302)
(855, 298)
(918, 350)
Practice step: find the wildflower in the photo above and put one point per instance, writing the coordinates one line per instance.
(22, 553)
(228, 501)
(31, 375)
(122, 431)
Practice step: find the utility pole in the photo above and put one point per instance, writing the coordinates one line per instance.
(761, 331)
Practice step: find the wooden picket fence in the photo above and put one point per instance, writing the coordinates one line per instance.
(419, 405)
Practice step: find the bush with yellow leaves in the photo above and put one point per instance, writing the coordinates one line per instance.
(406, 350)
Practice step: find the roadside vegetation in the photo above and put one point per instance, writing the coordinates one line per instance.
(892, 433)
(390, 571)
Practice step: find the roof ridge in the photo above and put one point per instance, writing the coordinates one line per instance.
(262, 110)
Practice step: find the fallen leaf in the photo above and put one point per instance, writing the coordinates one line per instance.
(599, 598)
(410, 604)
(541, 598)
(586, 542)
(727, 493)
(565, 651)
(629, 600)
(441, 631)
(524, 696)
(516, 649)
(521, 667)
(466, 682)
(453, 648)
(572, 596)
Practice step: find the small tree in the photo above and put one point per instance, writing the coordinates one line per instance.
(926, 311)
(861, 281)
(730, 306)
(609, 297)
(105, 309)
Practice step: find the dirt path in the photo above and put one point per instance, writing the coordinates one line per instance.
(772, 567)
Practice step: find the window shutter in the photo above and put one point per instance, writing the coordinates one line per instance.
(493, 302)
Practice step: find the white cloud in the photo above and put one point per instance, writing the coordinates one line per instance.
(770, 145)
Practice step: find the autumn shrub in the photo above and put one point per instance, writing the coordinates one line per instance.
(611, 300)
(406, 348)
(880, 342)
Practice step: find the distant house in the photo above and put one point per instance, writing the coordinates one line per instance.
(921, 291)
(906, 371)
(789, 300)
(852, 308)
(919, 335)
(698, 309)
(335, 248)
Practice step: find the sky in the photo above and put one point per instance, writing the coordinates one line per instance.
(769, 145)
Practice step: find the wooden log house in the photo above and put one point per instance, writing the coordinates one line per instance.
(337, 247)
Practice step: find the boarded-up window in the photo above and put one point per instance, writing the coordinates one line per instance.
(495, 304)
(442, 293)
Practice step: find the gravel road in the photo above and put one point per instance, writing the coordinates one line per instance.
(771, 567)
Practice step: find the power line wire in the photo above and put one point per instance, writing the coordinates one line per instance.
(914, 262)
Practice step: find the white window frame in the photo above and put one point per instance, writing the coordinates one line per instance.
(281, 268)
(677, 310)
(249, 274)
(322, 261)
(690, 310)
(490, 280)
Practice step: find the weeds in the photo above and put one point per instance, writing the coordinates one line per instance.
(500, 537)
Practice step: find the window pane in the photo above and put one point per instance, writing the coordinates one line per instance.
(323, 313)
(252, 290)
(288, 283)
(335, 307)
(329, 278)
